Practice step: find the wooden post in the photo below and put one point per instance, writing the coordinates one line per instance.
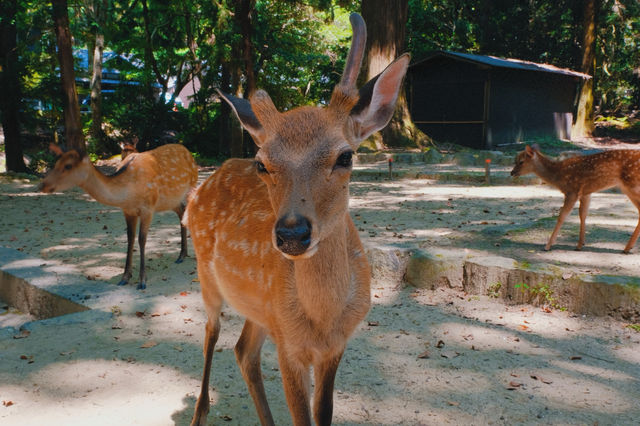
(487, 171)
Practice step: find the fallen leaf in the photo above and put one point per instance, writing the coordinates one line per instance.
(184, 293)
(373, 323)
(567, 275)
(140, 314)
(440, 344)
(575, 357)
(515, 384)
(7, 403)
(424, 355)
(155, 314)
(453, 403)
(149, 344)
(226, 418)
(523, 327)
(22, 335)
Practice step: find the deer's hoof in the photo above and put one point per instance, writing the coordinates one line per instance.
(180, 259)
(123, 282)
(141, 285)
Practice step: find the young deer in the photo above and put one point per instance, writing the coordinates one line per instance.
(273, 237)
(144, 183)
(128, 149)
(578, 177)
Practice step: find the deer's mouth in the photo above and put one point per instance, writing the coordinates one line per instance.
(47, 189)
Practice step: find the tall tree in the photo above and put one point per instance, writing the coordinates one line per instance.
(10, 99)
(386, 34)
(97, 10)
(583, 126)
(74, 137)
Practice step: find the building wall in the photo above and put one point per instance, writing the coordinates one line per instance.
(526, 105)
(447, 102)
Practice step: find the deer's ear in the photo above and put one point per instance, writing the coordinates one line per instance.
(242, 109)
(378, 99)
(55, 149)
(529, 151)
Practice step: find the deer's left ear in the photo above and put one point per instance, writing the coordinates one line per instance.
(378, 99)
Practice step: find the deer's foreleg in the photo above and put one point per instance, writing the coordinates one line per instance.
(634, 237)
(132, 223)
(248, 356)
(584, 209)
(325, 374)
(295, 379)
(145, 222)
(569, 202)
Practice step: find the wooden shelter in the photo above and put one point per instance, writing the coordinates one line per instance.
(486, 102)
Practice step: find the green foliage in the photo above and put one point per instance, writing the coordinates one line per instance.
(545, 296)
(494, 290)
(298, 51)
(522, 286)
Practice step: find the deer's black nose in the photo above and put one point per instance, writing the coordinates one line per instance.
(293, 234)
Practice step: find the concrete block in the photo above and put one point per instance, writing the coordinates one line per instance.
(435, 268)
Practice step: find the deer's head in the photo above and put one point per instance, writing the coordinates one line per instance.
(71, 169)
(525, 161)
(305, 155)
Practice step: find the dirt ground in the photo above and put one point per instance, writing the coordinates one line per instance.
(420, 357)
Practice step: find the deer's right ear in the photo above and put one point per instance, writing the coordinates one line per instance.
(242, 109)
(530, 152)
(378, 99)
(55, 149)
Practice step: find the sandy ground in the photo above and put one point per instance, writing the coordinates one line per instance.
(420, 357)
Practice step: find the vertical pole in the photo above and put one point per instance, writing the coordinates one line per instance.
(487, 171)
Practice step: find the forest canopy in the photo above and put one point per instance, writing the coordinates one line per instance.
(161, 62)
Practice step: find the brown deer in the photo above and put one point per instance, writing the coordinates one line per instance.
(127, 149)
(144, 183)
(578, 177)
(273, 237)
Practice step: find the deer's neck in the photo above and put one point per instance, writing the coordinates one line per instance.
(103, 188)
(324, 282)
(549, 170)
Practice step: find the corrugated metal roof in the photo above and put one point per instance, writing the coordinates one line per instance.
(494, 61)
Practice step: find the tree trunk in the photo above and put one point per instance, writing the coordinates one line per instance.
(10, 87)
(72, 122)
(583, 126)
(386, 33)
(243, 15)
(95, 132)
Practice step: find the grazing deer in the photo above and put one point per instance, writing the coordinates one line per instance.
(273, 237)
(144, 183)
(578, 177)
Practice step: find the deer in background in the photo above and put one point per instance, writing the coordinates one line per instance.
(127, 149)
(274, 239)
(144, 183)
(578, 177)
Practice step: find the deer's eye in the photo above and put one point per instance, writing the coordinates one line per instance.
(345, 159)
(67, 166)
(261, 168)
